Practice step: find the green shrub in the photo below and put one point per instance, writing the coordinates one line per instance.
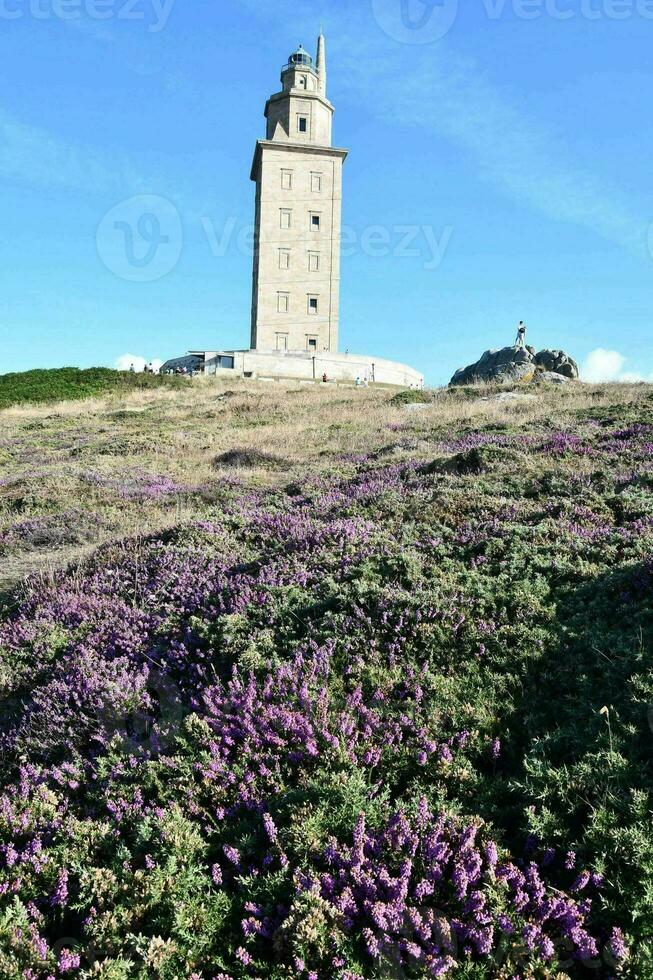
(411, 396)
(69, 383)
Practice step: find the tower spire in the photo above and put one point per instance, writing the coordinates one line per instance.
(321, 63)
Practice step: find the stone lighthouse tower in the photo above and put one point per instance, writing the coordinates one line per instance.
(298, 176)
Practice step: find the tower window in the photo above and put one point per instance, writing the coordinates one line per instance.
(286, 180)
(316, 183)
(313, 261)
(282, 341)
(284, 258)
(316, 221)
(311, 343)
(313, 305)
(283, 302)
(303, 124)
(286, 217)
(302, 81)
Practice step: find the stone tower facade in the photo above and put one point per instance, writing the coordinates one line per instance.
(298, 176)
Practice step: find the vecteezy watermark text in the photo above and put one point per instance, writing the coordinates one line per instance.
(570, 9)
(427, 21)
(374, 241)
(154, 14)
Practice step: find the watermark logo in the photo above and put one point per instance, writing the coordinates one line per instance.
(415, 21)
(152, 728)
(154, 14)
(140, 240)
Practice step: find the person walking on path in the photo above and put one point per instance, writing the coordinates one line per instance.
(521, 335)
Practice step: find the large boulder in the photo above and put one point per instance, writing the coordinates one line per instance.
(510, 364)
(502, 366)
(557, 362)
(551, 378)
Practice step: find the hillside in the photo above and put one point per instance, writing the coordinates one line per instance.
(322, 683)
(65, 384)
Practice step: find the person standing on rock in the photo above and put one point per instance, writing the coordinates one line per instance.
(521, 335)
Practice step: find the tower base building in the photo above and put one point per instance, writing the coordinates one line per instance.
(303, 366)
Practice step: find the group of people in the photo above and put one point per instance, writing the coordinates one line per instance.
(365, 382)
(187, 372)
(181, 369)
(148, 369)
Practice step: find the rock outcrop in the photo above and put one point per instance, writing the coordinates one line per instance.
(557, 362)
(550, 378)
(512, 364)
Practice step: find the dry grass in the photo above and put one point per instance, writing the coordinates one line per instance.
(89, 459)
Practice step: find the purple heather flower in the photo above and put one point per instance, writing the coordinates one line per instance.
(270, 828)
(617, 945)
(505, 925)
(547, 948)
(68, 961)
(548, 857)
(581, 882)
(232, 855)
(491, 854)
(60, 894)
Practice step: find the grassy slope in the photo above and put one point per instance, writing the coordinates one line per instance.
(525, 528)
(63, 384)
(89, 471)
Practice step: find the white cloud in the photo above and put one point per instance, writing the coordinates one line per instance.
(608, 365)
(603, 365)
(126, 361)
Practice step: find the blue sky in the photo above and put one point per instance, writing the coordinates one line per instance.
(499, 170)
